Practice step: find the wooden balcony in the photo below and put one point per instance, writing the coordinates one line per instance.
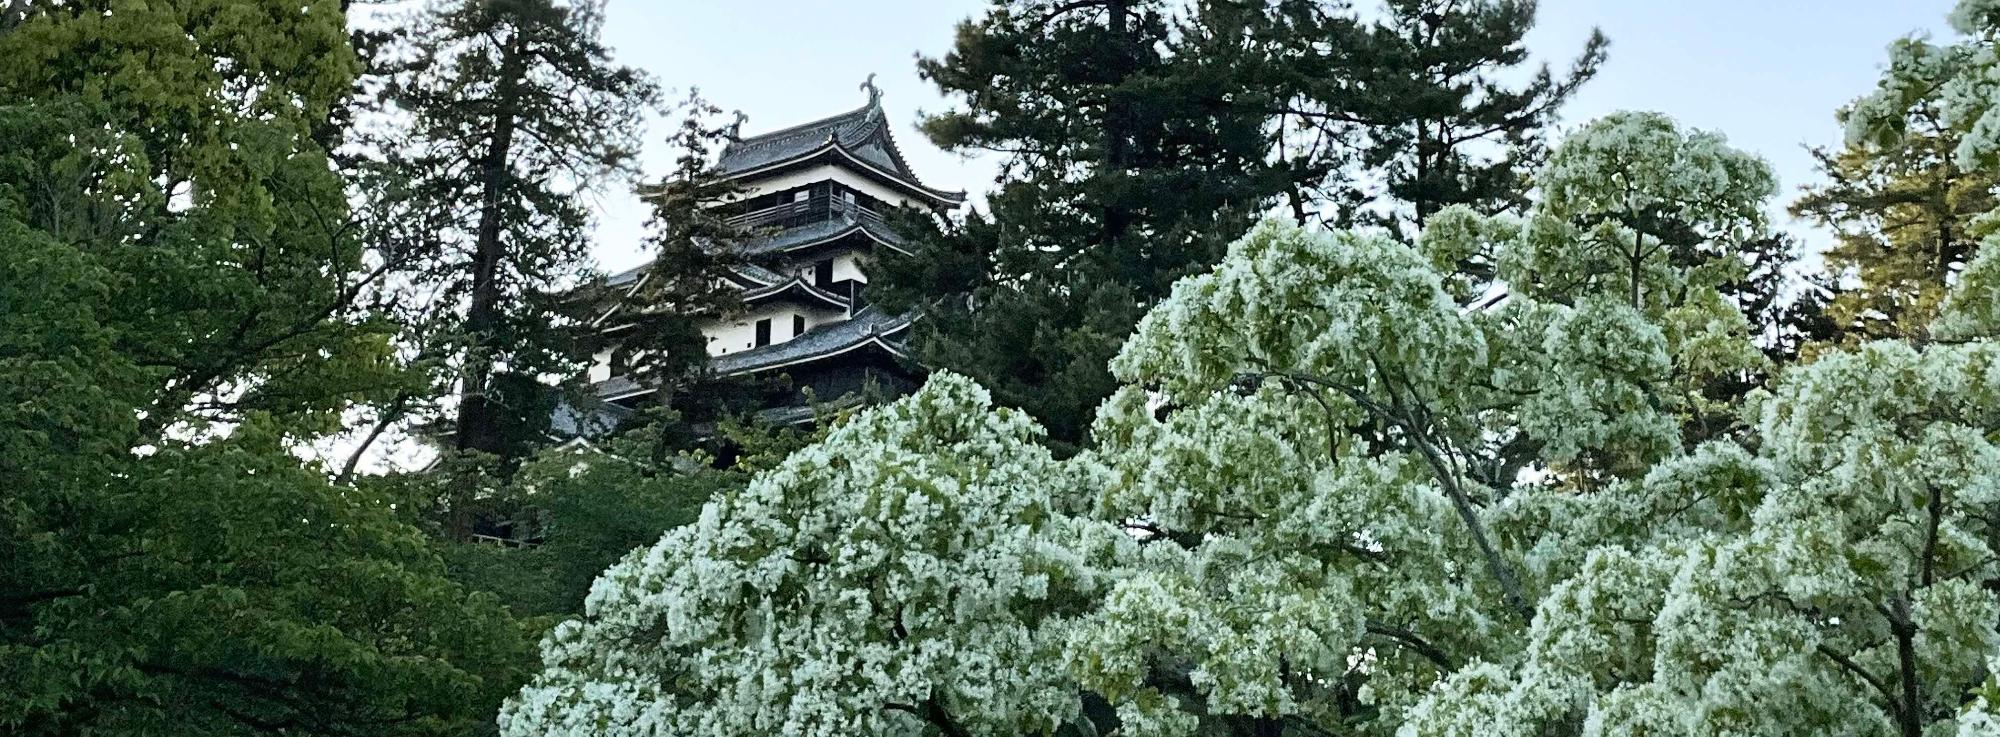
(816, 209)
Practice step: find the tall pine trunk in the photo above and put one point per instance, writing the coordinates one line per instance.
(1117, 115)
(476, 416)
(477, 426)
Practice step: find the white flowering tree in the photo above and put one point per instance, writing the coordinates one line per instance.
(1833, 573)
(1834, 581)
(1340, 495)
(1356, 476)
(913, 573)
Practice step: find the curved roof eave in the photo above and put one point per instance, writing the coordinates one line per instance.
(859, 226)
(799, 286)
(936, 196)
(879, 341)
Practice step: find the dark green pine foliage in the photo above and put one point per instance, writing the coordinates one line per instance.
(176, 258)
(1421, 95)
(1906, 219)
(1136, 142)
(652, 327)
(585, 509)
(517, 115)
(1139, 136)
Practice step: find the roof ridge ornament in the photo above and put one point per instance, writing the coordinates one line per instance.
(874, 92)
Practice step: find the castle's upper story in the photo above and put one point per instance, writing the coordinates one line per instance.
(817, 195)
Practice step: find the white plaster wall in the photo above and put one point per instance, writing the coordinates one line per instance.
(821, 173)
(848, 265)
(740, 332)
(600, 366)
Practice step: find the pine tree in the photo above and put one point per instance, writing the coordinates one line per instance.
(1902, 217)
(652, 327)
(1135, 131)
(1420, 94)
(518, 113)
(1128, 145)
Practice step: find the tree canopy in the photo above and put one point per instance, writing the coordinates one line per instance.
(1292, 386)
(1137, 137)
(1334, 491)
(185, 302)
(1327, 497)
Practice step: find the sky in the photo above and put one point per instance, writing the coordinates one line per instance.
(1769, 74)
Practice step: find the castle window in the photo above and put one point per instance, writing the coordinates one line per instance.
(798, 325)
(764, 331)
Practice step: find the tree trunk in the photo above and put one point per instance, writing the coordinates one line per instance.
(476, 419)
(1117, 114)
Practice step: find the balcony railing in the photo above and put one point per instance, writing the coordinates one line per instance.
(815, 209)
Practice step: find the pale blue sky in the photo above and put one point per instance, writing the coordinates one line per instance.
(1768, 73)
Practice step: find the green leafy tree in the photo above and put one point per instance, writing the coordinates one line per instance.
(184, 303)
(584, 509)
(124, 138)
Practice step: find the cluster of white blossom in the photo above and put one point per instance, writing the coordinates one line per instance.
(1835, 576)
(1959, 83)
(910, 569)
(1332, 496)
(1972, 308)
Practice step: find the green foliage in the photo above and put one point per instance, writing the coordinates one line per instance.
(1905, 218)
(512, 112)
(1138, 134)
(1327, 498)
(181, 307)
(1437, 100)
(1133, 137)
(224, 589)
(582, 509)
(651, 328)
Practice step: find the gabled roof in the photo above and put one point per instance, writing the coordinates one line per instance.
(754, 278)
(857, 129)
(825, 231)
(797, 288)
(749, 278)
(861, 136)
(869, 329)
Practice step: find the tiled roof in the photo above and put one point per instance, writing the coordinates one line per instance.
(866, 326)
(572, 421)
(852, 129)
(779, 242)
(751, 272)
(825, 230)
(616, 386)
(825, 340)
(627, 276)
(796, 288)
(862, 132)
